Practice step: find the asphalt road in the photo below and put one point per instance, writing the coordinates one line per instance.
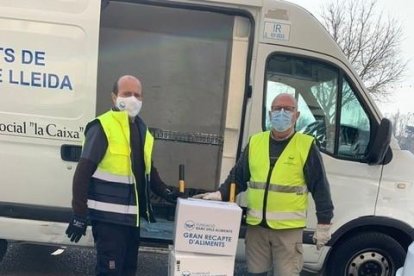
(37, 260)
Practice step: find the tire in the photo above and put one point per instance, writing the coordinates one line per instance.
(3, 249)
(366, 254)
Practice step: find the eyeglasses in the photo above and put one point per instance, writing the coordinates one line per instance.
(279, 108)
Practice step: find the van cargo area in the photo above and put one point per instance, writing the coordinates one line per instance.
(184, 59)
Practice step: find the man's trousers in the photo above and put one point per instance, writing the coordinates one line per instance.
(116, 248)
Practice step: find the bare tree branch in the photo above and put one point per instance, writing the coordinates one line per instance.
(370, 41)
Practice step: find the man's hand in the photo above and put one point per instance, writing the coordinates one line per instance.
(322, 235)
(210, 196)
(171, 195)
(76, 228)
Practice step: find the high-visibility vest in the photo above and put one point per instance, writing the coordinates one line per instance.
(113, 195)
(282, 196)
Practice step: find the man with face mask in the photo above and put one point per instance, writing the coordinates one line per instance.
(112, 181)
(277, 169)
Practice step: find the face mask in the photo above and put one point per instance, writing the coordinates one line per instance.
(130, 104)
(281, 120)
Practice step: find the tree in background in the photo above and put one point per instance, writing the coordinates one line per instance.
(403, 129)
(369, 39)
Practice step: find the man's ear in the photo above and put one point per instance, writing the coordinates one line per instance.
(113, 96)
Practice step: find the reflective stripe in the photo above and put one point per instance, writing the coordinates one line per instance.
(99, 174)
(256, 185)
(279, 188)
(110, 207)
(255, 213)
(278, 215)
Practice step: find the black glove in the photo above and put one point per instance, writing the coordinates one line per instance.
(76, 228)
(171, 195)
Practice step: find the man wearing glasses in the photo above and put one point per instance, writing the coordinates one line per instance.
(277, 169)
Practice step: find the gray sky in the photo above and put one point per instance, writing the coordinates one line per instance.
(403, 10)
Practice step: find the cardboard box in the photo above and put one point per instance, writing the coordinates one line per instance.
(208, 227)
(194, 264)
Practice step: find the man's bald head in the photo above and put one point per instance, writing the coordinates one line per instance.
(127, 80)
(284, 100)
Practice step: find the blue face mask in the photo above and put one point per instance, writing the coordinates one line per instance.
(281, 120)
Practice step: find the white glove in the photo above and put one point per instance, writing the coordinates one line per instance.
(210, 196)
(322, 235)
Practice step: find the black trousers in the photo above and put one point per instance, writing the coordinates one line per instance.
(116, 248)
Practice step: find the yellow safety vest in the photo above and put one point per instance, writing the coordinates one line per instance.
(283, 199)
(113, 195)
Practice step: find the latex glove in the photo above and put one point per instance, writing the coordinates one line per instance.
(210, 196)
(322, 235)
(171, 195)
(76, 228)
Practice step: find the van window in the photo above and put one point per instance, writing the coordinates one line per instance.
(326, 100)
(355, 126)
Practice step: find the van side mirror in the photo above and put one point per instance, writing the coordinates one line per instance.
(381, 143)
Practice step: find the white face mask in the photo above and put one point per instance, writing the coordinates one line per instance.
(130, 104)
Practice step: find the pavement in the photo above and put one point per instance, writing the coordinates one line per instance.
(39, 260)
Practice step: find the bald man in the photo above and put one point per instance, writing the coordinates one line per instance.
(112, 181)
(277, 169)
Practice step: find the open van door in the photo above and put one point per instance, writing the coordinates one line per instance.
(48, 74)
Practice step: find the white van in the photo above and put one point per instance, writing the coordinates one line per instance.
(209, 69)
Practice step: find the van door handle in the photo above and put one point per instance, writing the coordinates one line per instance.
(70, 153)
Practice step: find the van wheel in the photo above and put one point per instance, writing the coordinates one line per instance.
(3, 249)
(365, 254)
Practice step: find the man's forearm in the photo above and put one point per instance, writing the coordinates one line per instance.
(157, 185)
(318, 185)
(81, 179)
(239, 174)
